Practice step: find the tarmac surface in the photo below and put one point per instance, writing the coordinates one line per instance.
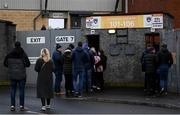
(134, 96)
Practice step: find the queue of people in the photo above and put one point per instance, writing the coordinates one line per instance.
(82, 68)
(156, 66)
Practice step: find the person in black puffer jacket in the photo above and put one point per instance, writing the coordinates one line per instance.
(150, 70)
(16, 62)
(67, 69)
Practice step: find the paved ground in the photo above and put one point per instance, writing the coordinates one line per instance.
(119, 95)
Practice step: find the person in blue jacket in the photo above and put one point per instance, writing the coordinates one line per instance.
(58, 62)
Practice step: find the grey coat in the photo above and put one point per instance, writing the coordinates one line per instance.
(45, 78)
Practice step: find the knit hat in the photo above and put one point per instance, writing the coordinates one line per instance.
(67, 50)
(71, 46)
(17, 44)
(58, 46)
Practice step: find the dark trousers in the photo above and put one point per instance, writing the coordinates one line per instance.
(21, 84)
(43, 101)
(150, 83)
(58, 81)
(100, 80)
(68, 83)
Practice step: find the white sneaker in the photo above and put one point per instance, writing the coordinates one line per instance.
(43, 108)
(12, 108)
(48, 107)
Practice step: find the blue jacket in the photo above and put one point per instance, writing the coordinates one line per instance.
(79, 59)
(58, 60)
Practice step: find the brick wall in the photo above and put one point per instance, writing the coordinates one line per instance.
(23, 19)
(168, 6)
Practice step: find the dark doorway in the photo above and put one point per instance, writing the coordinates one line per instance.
(154, 39)
(93, 41)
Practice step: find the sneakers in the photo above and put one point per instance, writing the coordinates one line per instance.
(12, 108)
(43, 108)
(48, 107)
(162, 91)
(22, 108)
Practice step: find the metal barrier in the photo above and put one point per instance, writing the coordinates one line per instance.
(34, 41)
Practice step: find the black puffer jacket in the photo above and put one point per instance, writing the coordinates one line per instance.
(16, 62)
(164, 57)
(67, 62)
(150, 62)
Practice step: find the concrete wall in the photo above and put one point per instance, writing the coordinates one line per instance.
(33, 49)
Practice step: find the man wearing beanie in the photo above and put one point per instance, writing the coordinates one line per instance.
(16, 62)
(58, 62)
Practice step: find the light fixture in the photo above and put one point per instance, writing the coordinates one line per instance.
(112, 31)
(5, 5)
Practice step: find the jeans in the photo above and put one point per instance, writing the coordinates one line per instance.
(21, 84)
(163, 76)
(58, 81)
(78, 82)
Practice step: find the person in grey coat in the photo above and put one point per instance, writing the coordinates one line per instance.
(44, 66)
(16, 62)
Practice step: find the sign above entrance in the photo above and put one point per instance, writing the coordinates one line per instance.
(130, 21)
(35, 40)
(64, 39)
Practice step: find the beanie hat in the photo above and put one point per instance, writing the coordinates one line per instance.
(58, 46)
(71, 46)
(17, 44)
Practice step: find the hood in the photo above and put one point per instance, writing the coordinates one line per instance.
(79, 49)
(85, 46)
(164, 50)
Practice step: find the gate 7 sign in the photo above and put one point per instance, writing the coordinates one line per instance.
(64, 39)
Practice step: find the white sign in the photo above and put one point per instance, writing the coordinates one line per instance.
(148, 21)
(157, 21)
(152, 29)
(33, 59)
(35, 40)
(64, 39)
(93, 31)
